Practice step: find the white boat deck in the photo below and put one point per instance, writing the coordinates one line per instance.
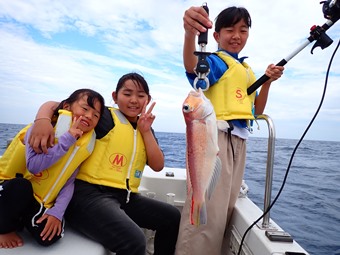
(160, 184)
(71, 244)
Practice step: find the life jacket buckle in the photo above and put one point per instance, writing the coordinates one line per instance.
(128, 195)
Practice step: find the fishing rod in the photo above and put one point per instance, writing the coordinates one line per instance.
(331, 10)
(202, 68)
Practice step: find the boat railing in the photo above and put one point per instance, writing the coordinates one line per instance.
(269, 169)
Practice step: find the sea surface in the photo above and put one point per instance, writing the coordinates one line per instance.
(309, 205)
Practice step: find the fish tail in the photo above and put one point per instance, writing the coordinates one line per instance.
(198, 213)
(193, 213)
(203, 214)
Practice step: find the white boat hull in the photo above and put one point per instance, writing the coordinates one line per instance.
(245, 213)
(256, 242)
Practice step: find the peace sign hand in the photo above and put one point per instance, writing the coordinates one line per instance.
(146, 118)
(75, 131)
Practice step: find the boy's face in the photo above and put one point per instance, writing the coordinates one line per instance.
(233, 39)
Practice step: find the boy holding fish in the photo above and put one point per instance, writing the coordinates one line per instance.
(229, 78)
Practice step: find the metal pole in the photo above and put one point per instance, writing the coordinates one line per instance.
(269, 169)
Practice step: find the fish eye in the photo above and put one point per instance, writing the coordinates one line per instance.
(186, 108)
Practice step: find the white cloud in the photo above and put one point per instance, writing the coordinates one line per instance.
(50, 48)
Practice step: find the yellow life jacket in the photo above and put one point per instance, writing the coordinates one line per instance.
(13, 161)
(48, 183)
(229, 95)
(117, 157)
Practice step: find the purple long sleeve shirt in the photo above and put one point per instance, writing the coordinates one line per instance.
(36, 163)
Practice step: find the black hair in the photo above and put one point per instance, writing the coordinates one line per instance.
(92, 98)
(137, 79)
(230, 16)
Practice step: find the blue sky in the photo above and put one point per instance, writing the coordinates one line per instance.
(49, 49)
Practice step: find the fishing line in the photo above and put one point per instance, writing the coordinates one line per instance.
(294, 151)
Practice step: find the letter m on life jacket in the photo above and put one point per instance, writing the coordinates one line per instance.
(118, 160)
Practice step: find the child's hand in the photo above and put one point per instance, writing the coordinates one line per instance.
(74, 130)
(52, 227)
(274, 72)
(146, 118)
(196, 20)
(42, 135)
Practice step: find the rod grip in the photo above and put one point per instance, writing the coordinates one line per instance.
(262, 79)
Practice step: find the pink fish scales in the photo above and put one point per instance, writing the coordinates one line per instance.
(203, 163)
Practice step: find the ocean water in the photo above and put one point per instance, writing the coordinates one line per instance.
(309, 205)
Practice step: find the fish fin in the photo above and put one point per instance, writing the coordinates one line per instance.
(188, 182)
(214, 177)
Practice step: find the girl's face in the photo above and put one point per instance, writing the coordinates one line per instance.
(233, 39)
(130, 99)
(90, 116)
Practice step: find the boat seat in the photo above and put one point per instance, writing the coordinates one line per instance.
(73, 243)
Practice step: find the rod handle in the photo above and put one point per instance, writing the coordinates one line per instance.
(262, 79)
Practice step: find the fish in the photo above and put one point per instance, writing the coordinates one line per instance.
(203, 164)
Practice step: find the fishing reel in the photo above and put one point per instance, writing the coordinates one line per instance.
(331, 9)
